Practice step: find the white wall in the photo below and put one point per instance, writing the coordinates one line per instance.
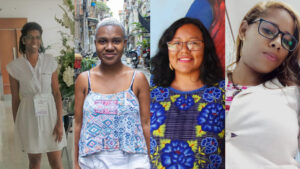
(237, 9)
(40, 11)
(163, 14)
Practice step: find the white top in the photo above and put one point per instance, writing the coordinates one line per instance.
(35, 132)
(262, 128)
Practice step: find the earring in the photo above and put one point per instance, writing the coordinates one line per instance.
(170, 66)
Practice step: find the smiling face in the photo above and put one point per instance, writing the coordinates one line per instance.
(185, 60)
(260, 54)
(32, 41)
(109, 44)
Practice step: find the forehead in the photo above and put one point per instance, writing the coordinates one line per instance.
(33, 32)
(109, 31)
(188, 31)
(281, 18)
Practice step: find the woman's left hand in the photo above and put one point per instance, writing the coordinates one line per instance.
(58, 131)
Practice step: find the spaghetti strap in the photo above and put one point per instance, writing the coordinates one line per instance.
(89, 82)
(132, 80)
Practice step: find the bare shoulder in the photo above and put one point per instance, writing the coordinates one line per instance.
(141, 80)
(82, 80)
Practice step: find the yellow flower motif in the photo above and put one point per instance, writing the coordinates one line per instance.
(160, 132)
(201, 105)
(200, 151)
(160, 166)
(221, 134)
(166, 105)
(174, 97)
(163, 143)
(219, 150)
(195, 166)
(199, 131)
(196, 98)
(201, 161)
(193, 144)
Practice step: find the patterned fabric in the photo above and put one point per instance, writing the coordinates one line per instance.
(111, 122)
(187, 128)
(230, 92)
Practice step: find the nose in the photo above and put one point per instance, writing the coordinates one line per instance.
(184, 47)
(109, 46)
(276, 42)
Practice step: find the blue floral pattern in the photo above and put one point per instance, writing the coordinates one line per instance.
(157, 115)
(216, 161)
(187, 128)
(177, 154)
(211, 94)
(153, 145)
(212, 118)
(210, 145)
(183, 103)
(222, 84)
(159, 93)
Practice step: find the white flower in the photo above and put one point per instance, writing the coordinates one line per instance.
(68, 76)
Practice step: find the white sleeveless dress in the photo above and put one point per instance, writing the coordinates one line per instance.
(34, 133)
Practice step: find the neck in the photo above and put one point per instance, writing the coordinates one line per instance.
(32, 58)
(32, 55)
(245, 76)
(111, 69)
(187, 81)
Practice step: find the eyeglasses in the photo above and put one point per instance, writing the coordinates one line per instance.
(271, 31)
(191, 45)
(28, 37)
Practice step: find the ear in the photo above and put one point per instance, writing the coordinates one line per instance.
(242, 30)
(23, 40)
(125, 43)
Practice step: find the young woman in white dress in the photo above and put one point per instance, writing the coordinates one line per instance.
(36, 100)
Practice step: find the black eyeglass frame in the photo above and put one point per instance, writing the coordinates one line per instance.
(260, 20)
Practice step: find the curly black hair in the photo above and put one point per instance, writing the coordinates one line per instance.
(211, 71)
(30, 26)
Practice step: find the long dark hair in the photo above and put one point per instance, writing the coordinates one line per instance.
(26, 28)
(210, 70)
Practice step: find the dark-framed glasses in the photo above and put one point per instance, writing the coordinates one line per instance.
(270, 30)
(191, 45)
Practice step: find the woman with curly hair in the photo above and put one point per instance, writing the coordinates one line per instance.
(187, 106)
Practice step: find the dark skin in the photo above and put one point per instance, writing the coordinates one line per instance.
(32, 45)
(114, 77)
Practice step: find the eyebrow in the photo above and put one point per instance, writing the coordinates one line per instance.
(194, 37)
(278, 27)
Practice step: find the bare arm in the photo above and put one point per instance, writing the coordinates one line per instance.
(58, 130)
(14, 88)
(143, 96)
(80, 93)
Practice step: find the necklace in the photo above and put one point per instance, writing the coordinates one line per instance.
(238, 89)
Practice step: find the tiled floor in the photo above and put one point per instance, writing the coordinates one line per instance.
(10, 156)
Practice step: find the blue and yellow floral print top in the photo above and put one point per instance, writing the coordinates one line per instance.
(187, 128)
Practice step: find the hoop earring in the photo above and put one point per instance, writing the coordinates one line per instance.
(170, 66)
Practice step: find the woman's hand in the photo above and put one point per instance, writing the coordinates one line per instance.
(58, 131)
(76, 166)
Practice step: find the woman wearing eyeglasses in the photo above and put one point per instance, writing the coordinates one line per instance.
(187, 106)
(262, 100)
(36, 100)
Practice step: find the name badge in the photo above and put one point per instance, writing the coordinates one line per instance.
(40, 105)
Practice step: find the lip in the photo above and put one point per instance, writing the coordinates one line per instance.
(109, 55)
(34, 46)
(185, 59)
(270, 56)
